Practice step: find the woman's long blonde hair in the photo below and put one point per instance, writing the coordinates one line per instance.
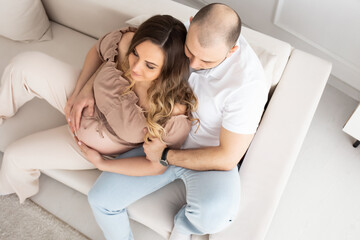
(171, 86)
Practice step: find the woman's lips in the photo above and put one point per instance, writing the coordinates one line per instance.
(134, 74)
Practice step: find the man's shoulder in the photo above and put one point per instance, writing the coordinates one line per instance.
(242, 64)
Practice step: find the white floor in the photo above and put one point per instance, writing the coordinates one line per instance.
(322, 198)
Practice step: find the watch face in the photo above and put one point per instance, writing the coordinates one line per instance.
(164, 162)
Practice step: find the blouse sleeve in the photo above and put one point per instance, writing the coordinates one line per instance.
(177, 129)
(107, 46)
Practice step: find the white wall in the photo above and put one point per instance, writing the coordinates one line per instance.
(329, 29)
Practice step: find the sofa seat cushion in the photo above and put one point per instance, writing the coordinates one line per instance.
(79, 180)
(67, 45)
(164, 203)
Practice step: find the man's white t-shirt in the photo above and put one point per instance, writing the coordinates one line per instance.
(231, 95)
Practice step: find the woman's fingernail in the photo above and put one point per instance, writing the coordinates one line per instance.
(79, 142)
(69, 120)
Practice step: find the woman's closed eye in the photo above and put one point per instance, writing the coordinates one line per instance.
(134, 52)
(149, 66)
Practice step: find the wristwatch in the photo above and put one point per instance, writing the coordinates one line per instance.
(163, 159)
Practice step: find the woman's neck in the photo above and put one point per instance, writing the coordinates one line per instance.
(141, 88)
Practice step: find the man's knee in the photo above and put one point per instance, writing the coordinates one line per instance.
(213, 218)
(99, 197)
(102, 197)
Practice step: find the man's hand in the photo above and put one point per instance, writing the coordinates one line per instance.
(78, 105)
(153, 149)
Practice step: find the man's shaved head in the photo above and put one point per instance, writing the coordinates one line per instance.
(216, 23)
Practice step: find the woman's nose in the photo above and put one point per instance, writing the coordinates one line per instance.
(137, 67)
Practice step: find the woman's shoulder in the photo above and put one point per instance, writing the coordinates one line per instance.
(179, 109)
(108, 45)
(124, 43)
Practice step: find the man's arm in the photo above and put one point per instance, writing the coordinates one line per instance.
(224, 157)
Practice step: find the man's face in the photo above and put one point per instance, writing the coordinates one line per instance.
(200, 57)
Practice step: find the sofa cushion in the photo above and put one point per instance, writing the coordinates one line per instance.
(268, 48)
(24, 20)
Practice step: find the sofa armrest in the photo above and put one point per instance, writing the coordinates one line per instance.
(276, 145)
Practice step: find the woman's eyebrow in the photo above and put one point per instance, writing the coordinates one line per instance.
(151, 63)
(145, 60)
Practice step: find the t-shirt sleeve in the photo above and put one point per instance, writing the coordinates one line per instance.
(244, 108)
(177, 129)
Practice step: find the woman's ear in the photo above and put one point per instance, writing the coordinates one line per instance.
(191, 18)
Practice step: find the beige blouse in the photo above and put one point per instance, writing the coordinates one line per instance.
(118, 116)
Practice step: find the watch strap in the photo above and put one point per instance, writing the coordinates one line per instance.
(164, 154)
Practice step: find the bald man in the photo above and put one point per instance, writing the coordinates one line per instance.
(229, 82)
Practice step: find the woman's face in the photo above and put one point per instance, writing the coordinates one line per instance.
(146, 61)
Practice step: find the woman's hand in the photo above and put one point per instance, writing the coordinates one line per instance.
(78, 105)
(91, 155)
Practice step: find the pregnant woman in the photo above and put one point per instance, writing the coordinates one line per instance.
(138, 78)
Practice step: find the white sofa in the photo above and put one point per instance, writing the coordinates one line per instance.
(297, 79)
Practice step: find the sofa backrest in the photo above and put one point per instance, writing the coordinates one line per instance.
(96, 18)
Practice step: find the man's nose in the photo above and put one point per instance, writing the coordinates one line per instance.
(195, 63)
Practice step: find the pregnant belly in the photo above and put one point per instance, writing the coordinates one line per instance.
(89, 134)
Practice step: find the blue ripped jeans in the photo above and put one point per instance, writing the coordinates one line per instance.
(212, 198)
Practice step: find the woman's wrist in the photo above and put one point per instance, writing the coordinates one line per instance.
(75, 93)
(102, 164)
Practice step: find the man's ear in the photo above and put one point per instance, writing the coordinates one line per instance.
(191, 18)
(232, 50)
